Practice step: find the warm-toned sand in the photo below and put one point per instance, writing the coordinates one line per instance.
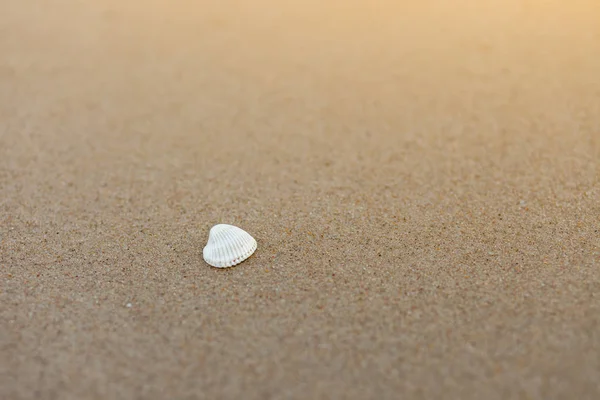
(423, 182)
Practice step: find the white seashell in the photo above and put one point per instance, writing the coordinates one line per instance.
(227, 246)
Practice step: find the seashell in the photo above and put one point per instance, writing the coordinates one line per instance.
(227, 246)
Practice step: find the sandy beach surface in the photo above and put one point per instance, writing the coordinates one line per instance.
(422, 178)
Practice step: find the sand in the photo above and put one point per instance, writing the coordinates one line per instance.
(422, 180)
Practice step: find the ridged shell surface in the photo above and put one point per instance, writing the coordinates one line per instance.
(227, 246)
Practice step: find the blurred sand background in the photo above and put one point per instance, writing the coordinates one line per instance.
(422, 179)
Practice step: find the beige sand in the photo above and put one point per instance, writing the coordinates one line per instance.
(423, 181)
